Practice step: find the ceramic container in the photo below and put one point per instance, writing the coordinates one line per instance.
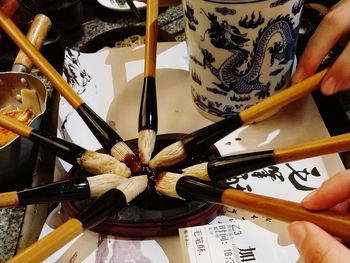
(240, 51)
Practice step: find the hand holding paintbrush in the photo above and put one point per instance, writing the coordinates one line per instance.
(93, 162)
(205, 137)
(230, 166)
(106, 205)
(188, 187)
(108, 137)
(148, 116)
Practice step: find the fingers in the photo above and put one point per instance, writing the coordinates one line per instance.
(334, 191)
(334, 25)
(338, 76)
(317, 246)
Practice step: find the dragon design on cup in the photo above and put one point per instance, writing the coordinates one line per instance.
(228, 37)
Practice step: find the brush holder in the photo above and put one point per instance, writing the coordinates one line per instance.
(151, 214)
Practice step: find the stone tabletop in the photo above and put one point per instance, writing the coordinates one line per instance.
(170, 20)
(10, 225)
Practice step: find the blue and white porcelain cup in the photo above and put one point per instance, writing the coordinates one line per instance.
(240, 51)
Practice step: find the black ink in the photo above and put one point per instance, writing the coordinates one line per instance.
(233, 211)
(272, 172)
(76, 76)
(303, 176)
(246, 254)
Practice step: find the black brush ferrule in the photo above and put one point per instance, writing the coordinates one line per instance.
(102, 131)
(65, 150)
(207, 136)
(192, 188)
(105, 206)
(230, 166)
(68, 190)
(148, 116)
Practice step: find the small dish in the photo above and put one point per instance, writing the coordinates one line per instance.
(113, 5)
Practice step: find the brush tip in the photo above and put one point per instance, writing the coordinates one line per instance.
(146, 142)
(133, 163)
(100, 184)
(123, 153)
(100, 163)
(159, 177)
(133, 186)
(198, 170)
(169, 156)
(166, 184)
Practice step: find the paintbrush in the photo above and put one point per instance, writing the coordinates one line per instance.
(134, 9)
(189, 187)
(207, 136)
(106, 205)
(93, 162)
(67, 190)
(229, 166)
(148, 116)
(108, 137)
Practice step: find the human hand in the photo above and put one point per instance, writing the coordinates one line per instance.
(314, 244)
(334, 26)
(165, 2)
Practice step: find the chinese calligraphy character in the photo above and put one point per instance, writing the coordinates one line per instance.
(272, 171)
(246, 254)
(298, 178)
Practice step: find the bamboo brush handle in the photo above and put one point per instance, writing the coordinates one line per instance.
(9, 199)
(151, 38)
(335, 144)
(282, 98)
(39, 61)
(36, 35)
(43, 248)
(15, 126)
(332, 222)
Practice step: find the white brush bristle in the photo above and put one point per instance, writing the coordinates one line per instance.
(166, 184)
(120, 150)
(146, 142)
(198, 170)
(100, 184)
(133, 186)
(100, 163)
(170, 155)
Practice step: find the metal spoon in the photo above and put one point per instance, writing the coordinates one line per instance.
(18, 81)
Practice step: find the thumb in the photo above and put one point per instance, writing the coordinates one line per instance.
(317, 246)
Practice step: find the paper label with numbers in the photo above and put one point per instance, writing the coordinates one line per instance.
(234, 242)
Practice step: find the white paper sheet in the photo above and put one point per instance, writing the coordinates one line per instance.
(110, 82)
